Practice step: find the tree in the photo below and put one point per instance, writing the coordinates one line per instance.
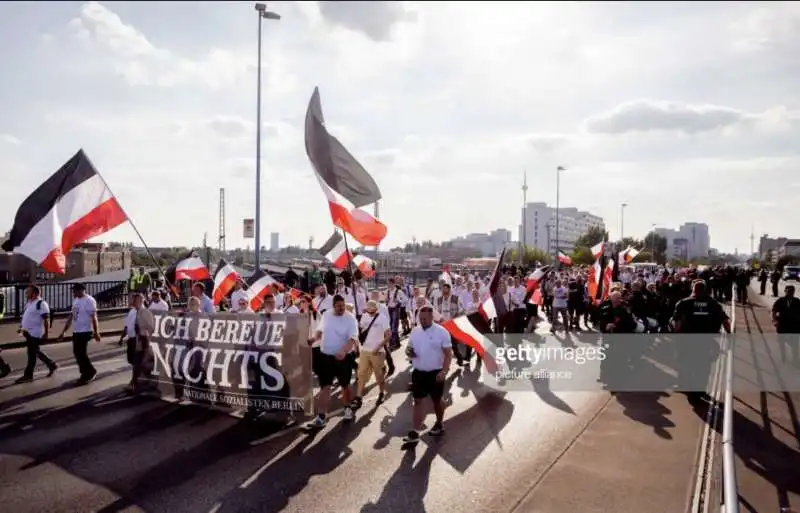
(644, 256)
(786, 260)
(531, 256)
(657, 245)
(582, 256)
(629, 242)
(593, 236)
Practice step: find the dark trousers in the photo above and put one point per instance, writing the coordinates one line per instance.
(33, 345)
(519, 320)
(80, 348)
(394, 324)
(763, 287)
(775, 289)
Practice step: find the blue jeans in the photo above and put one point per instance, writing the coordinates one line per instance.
(394, 324)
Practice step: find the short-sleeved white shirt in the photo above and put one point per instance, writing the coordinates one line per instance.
(374, 340)
(161, 306)
(337, 330)
(428, 344)
(130, 323)
(83, 310)
(33, 318)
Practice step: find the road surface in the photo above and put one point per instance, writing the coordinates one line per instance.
(94, 449)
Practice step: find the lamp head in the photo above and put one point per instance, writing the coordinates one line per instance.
(261, 7)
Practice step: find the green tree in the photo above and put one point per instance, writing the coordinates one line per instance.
(531, 256)
(627, 242)
(582, 256)
(657, 245)
(594, 235)
(644, 256)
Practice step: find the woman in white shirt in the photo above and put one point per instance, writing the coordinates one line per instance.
(473, 302)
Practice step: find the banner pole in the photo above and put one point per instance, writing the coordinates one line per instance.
(136, 230)
(350, 270)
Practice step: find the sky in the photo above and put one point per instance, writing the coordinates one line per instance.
(684, 111)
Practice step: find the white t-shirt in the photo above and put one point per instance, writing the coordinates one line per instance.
(33, 318)
(375, 337)
(560, 295)
(322, 304)
(161, 306)
(428, 345)
(83, 310)
(236, 296)
(291, 309)
(395, 298)
(130, 324)
(337, 330)
(518, 295)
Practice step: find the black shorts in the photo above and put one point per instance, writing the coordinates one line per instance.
(330, 369)
(424, 384)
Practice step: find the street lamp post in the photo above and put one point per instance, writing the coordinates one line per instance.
(524, 242)
(263, 14)
(559, 169)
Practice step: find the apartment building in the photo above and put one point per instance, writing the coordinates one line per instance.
(538, 228)
(89, 259)
(690, 240)
(489, 244)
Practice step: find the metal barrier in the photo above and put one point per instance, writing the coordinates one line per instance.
(112, 295)
(730, 485)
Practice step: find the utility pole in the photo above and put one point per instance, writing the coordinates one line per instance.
(752, 241)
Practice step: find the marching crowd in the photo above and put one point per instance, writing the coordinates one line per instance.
(355, 331)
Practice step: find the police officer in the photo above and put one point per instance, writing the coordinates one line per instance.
(786, 317)
(703, 315)
(763, 277)
(615, 318)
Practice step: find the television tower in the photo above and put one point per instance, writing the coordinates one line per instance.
(524, 239)
(311, 243)
(752, 240)
(222, 219)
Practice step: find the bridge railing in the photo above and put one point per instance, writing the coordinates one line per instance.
(730, 484)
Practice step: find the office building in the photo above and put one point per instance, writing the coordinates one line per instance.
(274, 241)
(538, 228)
(489, 244)
(89, 259)
(689, 241)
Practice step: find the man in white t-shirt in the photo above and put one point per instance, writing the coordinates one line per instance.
(375, 335)
(35, 327)
(238, 294)
(560, 302)
(157, 303)
(85, 327)
(338, 333)
(431, 352)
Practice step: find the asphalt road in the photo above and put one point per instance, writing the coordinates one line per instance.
(95, 449)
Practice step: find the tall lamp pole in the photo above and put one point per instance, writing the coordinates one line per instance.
(263, 14)
(622, 221)
(559, 169)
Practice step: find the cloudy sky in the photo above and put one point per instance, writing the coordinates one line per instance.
(687, 112)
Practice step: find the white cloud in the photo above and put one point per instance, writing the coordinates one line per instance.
(10, 139)
(446, 103)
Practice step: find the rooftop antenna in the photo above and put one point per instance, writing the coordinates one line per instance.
(221, 239)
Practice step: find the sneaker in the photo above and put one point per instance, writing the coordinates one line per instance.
(53, 368)
(436, 430)
(5, 370)
(381, 397)
(356, 403)
(318, 422)
(91, 376)
(411, 437)
(349, 414)
(23, 379)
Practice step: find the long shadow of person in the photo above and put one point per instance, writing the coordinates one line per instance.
(406, 489)
(541, 386)
(646, 407)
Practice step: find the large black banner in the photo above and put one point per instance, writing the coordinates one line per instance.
(241, 361)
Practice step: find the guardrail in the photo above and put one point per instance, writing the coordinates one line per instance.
(730, 485)
(112, 295)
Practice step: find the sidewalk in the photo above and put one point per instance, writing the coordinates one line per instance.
(766, 424)
(111, 324)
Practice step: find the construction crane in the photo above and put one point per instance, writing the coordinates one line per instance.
(222, 219)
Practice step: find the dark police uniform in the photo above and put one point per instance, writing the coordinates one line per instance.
(700, 318)
(616, 369)
(786, 311)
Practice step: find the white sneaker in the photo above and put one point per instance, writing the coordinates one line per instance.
(348, 414)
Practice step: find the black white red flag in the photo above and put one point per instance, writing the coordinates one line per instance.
(70, 207)
(345, 183)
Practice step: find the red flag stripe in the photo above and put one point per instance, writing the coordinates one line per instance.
(462, 330)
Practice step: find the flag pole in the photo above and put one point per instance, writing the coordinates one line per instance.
(130, 221)
(352, 275)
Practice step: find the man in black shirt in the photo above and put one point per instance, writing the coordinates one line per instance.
(616, 319)
(702, 315)
(786, 317)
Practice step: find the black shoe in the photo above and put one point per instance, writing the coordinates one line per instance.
(380, 398)
(436, 430)
(23, 379)
(5, 370)
(411, 437)
(53, 368)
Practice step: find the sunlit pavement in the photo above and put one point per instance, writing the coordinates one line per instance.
(90, 449)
